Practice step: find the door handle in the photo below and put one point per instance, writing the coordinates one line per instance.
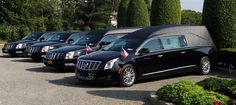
(183, 52)
(159, 56)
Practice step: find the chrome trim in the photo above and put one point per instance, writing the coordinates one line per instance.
(168, 70)
(54, 56)
(88, 64)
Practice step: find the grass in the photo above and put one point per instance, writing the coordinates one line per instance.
(2, 42)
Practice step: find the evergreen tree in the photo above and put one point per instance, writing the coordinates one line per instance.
(122, 13)
(138, 13)
(219, 17)
(165, 12)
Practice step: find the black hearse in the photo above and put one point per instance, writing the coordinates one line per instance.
(38, 50)
(66, 57)
(150, 52)
(18, 47)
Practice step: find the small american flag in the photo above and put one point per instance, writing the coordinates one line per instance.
(89, 49)
(124, 53)
(217, 102)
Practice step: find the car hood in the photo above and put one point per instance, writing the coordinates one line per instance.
(66, 49)
(20, 41)
(60, 45)
(101, 56)
(44, 44)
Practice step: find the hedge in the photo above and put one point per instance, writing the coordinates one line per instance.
(165, 12)
(187, 93)
(227, 56)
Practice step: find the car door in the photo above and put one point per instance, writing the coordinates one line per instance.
(176, 55)
(152, 61)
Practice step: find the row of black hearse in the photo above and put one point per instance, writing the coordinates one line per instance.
(123, 55)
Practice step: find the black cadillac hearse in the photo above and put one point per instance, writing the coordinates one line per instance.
(66, 57)
(38, 50)
(18, 47)
(150, 52)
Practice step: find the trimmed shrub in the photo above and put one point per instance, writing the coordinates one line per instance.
(122, 13)
(138, 13)
(219, 16)
(9, 33)
(85, 28)
(165, 12)
(187, 93)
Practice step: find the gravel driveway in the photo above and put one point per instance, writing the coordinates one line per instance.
(23, 82)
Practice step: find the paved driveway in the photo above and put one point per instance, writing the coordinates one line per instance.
(23, 82)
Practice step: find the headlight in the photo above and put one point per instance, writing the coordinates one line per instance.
(46, 48)
(110, 64)
(72, 54)
(20, 46)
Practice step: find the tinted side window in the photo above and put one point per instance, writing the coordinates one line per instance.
(153, 45)
(172, 42)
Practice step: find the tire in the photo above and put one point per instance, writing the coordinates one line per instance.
(205, 66)
(130, 73)
(13, 55)
(36, 60)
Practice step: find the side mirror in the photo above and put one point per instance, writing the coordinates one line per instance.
(144, 51)
(41, 39)
(91, 44)
(34, 39)
(70, 41)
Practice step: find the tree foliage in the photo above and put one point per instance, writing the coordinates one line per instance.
(191, 17)
(138, 13)
(122, 13)
(220, 18)
(165, 12)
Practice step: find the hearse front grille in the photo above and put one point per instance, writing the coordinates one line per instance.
(54, 56)
(33, 49)
(9, 46)
(88, 64)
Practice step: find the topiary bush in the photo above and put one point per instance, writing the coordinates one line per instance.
(138, 13)
(122, 13)
(187, 93)
(165, 12)
(219, 18)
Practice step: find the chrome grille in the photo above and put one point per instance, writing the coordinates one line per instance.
(33, 49)
(54, 56)
(88, 64)
(9, 46)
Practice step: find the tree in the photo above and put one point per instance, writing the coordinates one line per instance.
(138, 13)
(191, 17)
(165, 12)
(122, 13)
(219, 18)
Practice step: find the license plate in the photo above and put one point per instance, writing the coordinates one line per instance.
(43, 56)
(29, 54)
(5, 50)
(19, 52)
(50, 62)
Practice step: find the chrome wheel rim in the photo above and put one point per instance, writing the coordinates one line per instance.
(206, 65)
(129, 76)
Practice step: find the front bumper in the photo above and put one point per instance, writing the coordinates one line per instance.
(38, 55)
(13, 51)
(60, 63)
(97, 75)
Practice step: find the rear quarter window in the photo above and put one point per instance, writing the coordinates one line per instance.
(172, 42)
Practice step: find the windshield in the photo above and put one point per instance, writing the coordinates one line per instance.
(130, 45)
(32, 36)
(76, 36)
(90, 40)
(108, 39)
(46, 36)
(59, 37)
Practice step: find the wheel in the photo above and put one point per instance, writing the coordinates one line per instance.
(128, 75)
(205, 65)
(36, 59)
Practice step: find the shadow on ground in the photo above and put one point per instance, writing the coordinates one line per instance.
(25, 60)
(49, 70)
(224, 73)
(132, 95)
(73, 82)
(7, 56)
